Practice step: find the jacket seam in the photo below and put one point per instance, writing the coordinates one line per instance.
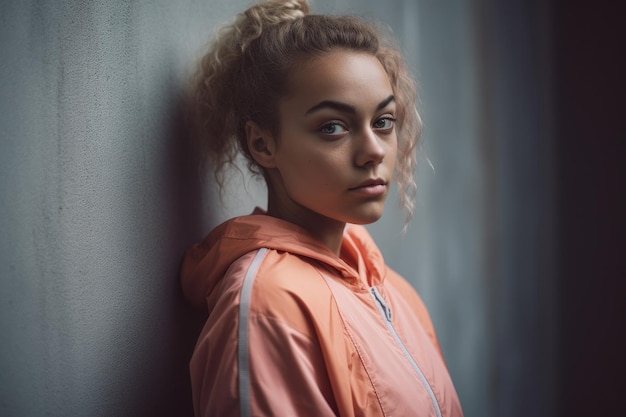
(356, 345)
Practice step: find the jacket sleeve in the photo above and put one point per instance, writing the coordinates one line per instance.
(285, 374)
(288, 375)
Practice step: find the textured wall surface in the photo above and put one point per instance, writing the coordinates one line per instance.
(97, 205)
(100, 199)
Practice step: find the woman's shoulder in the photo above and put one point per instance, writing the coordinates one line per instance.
(288, 288)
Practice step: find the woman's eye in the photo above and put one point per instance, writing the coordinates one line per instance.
(384, 123)
(333, 129)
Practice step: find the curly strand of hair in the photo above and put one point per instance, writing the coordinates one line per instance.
(409, 126)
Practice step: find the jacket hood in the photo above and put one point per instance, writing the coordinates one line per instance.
(206, 263)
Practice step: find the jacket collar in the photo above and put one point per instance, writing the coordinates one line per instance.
(361, 264)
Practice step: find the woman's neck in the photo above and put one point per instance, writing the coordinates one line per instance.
(326, 230)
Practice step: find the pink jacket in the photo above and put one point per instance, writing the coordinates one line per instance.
(294, 330)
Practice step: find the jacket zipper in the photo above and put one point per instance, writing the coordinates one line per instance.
(385, 312)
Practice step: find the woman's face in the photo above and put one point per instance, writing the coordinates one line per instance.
(337, 146)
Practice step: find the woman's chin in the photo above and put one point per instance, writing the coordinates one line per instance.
(367, 217)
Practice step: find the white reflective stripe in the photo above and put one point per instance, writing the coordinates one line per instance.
(243, 344)
(385, 312)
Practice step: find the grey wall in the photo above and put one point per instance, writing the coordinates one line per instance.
(100, 198)
(97, 205)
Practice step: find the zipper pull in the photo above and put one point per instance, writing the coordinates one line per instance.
(382, 304)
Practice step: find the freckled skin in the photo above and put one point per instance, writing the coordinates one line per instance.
(324, 151)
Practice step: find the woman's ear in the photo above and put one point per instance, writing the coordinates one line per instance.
(261, 145)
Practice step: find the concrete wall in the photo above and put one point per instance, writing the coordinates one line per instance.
(98, 205)
(100, 199)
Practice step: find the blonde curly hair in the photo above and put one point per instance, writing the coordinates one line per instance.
(245, 71)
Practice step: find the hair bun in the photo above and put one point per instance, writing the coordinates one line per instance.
(277, 11)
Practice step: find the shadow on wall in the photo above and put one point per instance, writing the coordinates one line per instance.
(170, 393)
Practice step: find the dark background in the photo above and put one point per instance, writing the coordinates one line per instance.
(589, 74)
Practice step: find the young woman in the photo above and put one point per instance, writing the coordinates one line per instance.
(304, 317)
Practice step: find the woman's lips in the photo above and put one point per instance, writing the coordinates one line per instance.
(371, 188)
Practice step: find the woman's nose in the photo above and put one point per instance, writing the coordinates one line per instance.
(370, 149)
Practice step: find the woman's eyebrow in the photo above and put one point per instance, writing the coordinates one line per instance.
(385, 102)
(345, 108)
(330, 104)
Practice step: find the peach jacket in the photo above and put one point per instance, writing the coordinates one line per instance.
(294, 330)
